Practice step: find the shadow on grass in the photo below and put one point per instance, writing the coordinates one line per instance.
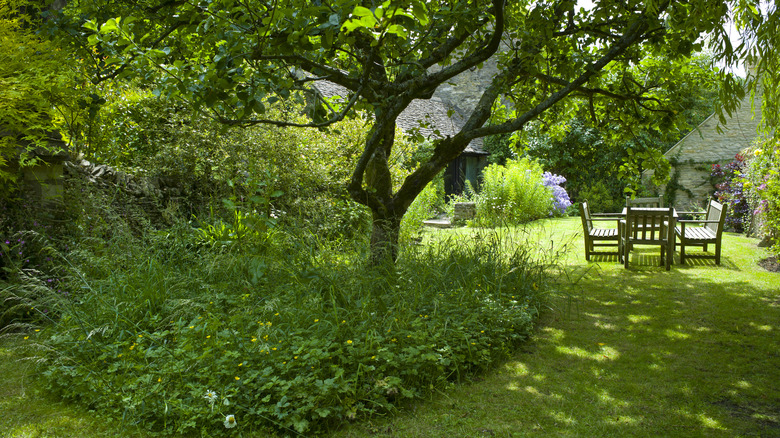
(646, 257)
(646, 354)
(629, 353)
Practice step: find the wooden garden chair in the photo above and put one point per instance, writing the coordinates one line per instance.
(653, 202)
(708, 232)
(648, 226)
(598, 237)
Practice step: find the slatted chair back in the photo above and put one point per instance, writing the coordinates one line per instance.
(717, 214)
(587, 221)
(653, 202)
(648, 226)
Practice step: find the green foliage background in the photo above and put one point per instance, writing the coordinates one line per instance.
(37, 89)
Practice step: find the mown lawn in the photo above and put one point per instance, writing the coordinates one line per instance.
(637, 352)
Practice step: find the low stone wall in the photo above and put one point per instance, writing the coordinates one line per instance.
(464, 211)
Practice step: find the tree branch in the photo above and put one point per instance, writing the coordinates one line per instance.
(432, 80)
(636, 32)
(124, 65)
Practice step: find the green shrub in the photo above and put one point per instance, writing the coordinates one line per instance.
(600, 199)
(512, 194)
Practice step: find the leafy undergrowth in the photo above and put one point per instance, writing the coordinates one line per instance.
(693, 352)
(174, 338)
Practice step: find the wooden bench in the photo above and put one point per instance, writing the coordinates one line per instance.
(710, 231)
(598, 237)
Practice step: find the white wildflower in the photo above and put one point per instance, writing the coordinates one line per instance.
(212, 397)
(230, 421)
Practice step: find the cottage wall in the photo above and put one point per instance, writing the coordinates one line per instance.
(693, 156)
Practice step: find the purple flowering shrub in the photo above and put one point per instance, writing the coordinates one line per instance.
(560, 197)
(729, 190)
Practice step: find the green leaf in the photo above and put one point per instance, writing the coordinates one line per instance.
(361, 11)
(420, 12)
(109, 26)
(91, 25)
(397, 29)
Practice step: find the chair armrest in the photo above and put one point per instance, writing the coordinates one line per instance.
(605, 219)
(692, 213)
(694, 221)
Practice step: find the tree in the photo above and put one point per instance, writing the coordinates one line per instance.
(614, 154)
(233, 58)
(35, 86)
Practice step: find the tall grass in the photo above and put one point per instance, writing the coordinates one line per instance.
(297, 338)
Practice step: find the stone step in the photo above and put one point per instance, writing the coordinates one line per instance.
(438, 223)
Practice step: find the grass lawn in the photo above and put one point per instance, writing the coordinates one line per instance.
(637, 352)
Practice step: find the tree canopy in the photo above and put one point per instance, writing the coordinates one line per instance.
(36, 85)
(233, 59)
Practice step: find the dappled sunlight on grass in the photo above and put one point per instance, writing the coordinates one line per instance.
(605, 353)
(710, 422)
(676, 335)
(517, 368)
(623, 421)
(763, 328)
(691, 337)
(562, 417)
(638, 319)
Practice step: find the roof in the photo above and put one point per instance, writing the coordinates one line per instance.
(432, 118)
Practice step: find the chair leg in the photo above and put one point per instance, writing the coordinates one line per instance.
(668, 258)
(717, 253)
(682, 253)
(625, 254)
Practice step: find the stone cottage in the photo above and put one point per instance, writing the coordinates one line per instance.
(435, 118)
(692, 157)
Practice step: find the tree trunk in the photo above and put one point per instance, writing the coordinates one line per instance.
(384, 239)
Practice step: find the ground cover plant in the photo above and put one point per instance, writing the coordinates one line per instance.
(294, 335)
